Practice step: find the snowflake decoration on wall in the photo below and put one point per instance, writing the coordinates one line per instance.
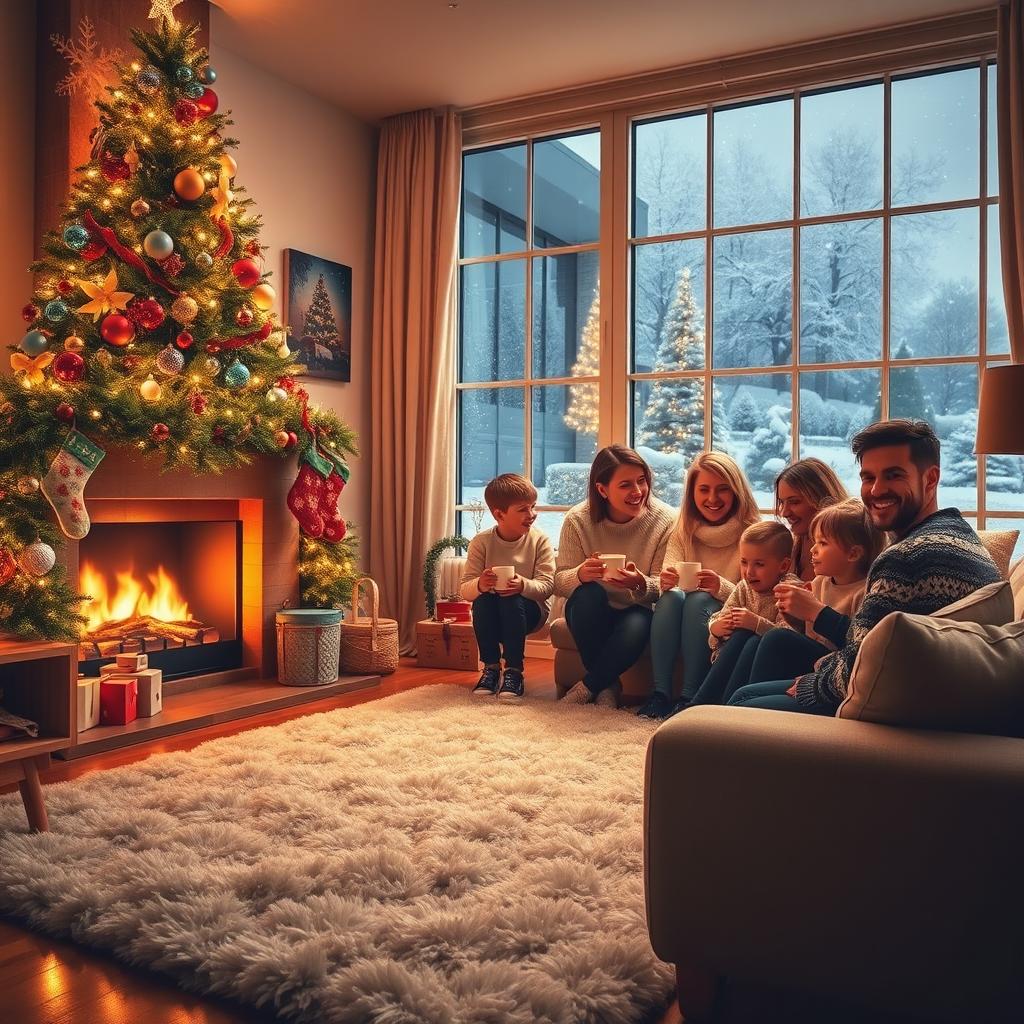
(87, 69)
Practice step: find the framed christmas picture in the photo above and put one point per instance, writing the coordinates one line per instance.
(318, 305)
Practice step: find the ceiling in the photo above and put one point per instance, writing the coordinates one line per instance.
(375, 58)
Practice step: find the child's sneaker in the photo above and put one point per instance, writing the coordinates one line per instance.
(487, 686)
(657, 707)
(608, 697)
(512, 686)
(579, 693)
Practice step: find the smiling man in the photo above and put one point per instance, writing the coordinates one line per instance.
(935, 558)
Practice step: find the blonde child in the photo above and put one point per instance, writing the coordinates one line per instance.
(502, 619)
(749, 611)
(717, 506)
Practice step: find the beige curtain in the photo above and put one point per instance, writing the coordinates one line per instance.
(413, 360)
(1010, 96)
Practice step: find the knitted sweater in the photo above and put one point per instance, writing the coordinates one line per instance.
(841, 602)
(939, 561)
(762, 605)
(531, 555)
(642, 540)
(715, 545)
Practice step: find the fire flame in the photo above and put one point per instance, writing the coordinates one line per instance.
(162, 598)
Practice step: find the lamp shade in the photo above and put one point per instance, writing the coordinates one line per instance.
(1001, 415)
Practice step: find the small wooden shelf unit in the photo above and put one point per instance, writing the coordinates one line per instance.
(37, 681)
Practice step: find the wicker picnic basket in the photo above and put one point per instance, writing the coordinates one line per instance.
(368, 643)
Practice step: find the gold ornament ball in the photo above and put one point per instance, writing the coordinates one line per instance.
(184, 309)
(73, 343)
(263, 296)
(281, 439)
(150, 389)
(28, 485)
(211, 366)
(140, 208)
(230, 167)
(189, 184)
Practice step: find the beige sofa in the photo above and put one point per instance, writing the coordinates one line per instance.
(876, 864)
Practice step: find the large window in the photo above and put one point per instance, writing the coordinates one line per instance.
(792, 267)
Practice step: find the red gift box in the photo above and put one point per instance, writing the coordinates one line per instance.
(119, 699)
(457, 611)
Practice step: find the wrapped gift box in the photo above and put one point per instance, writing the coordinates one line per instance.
(118, 700)
(459, 611)
(149, 697)
(446, 645)
(88, 703)
(132, 662)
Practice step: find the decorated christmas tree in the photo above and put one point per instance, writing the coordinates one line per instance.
(673, 420)
(583, 414)
(320, 330)
(150, 326)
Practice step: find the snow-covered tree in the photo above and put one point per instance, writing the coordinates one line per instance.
(721, 422)
(906, 394)
(769, 449)
(583, 414)
(1004, 473)
(959, 463)
(744, 414)
(673, 420)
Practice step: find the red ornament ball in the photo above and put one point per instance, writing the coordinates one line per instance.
(65, 413)
(246, 272)
(293, 439)
(253, 248)
(65, 287)
(114, 168)
(220, 435)
(29, 312)
(287, 383)
(135, 108)
(94, 249)
(198, 403)
(173, 265)
(207, 103)
(160, 432)
(186, 112)
(146, 313)
(117, 330)
(184, 340)
(69, 367)
(244, 317)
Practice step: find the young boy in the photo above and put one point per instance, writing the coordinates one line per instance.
(502, 619)
(766, 550)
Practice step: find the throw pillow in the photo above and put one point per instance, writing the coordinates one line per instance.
(931, 673)
(990, 605)
(1000, 545)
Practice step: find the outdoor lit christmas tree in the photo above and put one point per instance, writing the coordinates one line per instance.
(583, 414)
(320, 330)
(150, 325)
(673, 420)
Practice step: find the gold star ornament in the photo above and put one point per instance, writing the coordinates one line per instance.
(163, 9)
(103, 298)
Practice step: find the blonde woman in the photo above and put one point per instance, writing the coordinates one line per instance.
(717, 506)
(801, 489)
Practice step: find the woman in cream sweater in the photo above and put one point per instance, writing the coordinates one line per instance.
(717, 506)
(609, 612)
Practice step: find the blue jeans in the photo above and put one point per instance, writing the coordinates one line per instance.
(731, 669)
(504, 621)
(785, 653)
(772, 696)
(609, 639)
(681, 624)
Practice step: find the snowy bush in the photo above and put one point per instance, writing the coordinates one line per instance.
(859, 419)
(769, 449)
(566, 482)
(668, 470)
(744, 413)
(814, 414)
(959, 463)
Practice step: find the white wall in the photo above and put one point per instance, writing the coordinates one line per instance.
(17, 169)
(311, 169)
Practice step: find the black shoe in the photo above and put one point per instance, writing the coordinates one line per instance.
(680, 705)
(487, 686)
(657, 707)
(512, 686)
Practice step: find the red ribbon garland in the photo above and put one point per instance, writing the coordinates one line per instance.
(126, 254)
(218, 344)
(227, 239)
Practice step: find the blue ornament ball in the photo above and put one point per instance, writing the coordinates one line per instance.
(56, 311)
(207, 75)
(148, 80)
(236, 376)
(183, 74)
(194, 90)
(76, 237)
(34, 343)
(158, 245)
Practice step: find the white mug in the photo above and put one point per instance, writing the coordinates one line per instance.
(687, 575)
(504, 574)
(613, 564)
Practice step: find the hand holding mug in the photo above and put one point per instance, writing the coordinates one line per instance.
(591, 570)
(797, 600)
(487, 581)
(514, 587)
(628, 578)
(709, 580)
(669, 577)
(743, 618)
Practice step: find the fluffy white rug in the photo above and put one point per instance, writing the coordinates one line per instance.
(428, 857)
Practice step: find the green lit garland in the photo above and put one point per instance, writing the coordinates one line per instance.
(458, 544)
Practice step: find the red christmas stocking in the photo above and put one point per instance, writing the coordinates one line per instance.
(334, 522)
(306, 493)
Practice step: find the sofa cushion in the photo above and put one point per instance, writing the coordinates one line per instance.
(933, 673)
(1017, 585)
(990, 605)
(1000, 545)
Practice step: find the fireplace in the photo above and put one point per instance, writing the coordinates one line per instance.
(170, 589)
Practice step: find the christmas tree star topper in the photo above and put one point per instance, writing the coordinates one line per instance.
(163, 9)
